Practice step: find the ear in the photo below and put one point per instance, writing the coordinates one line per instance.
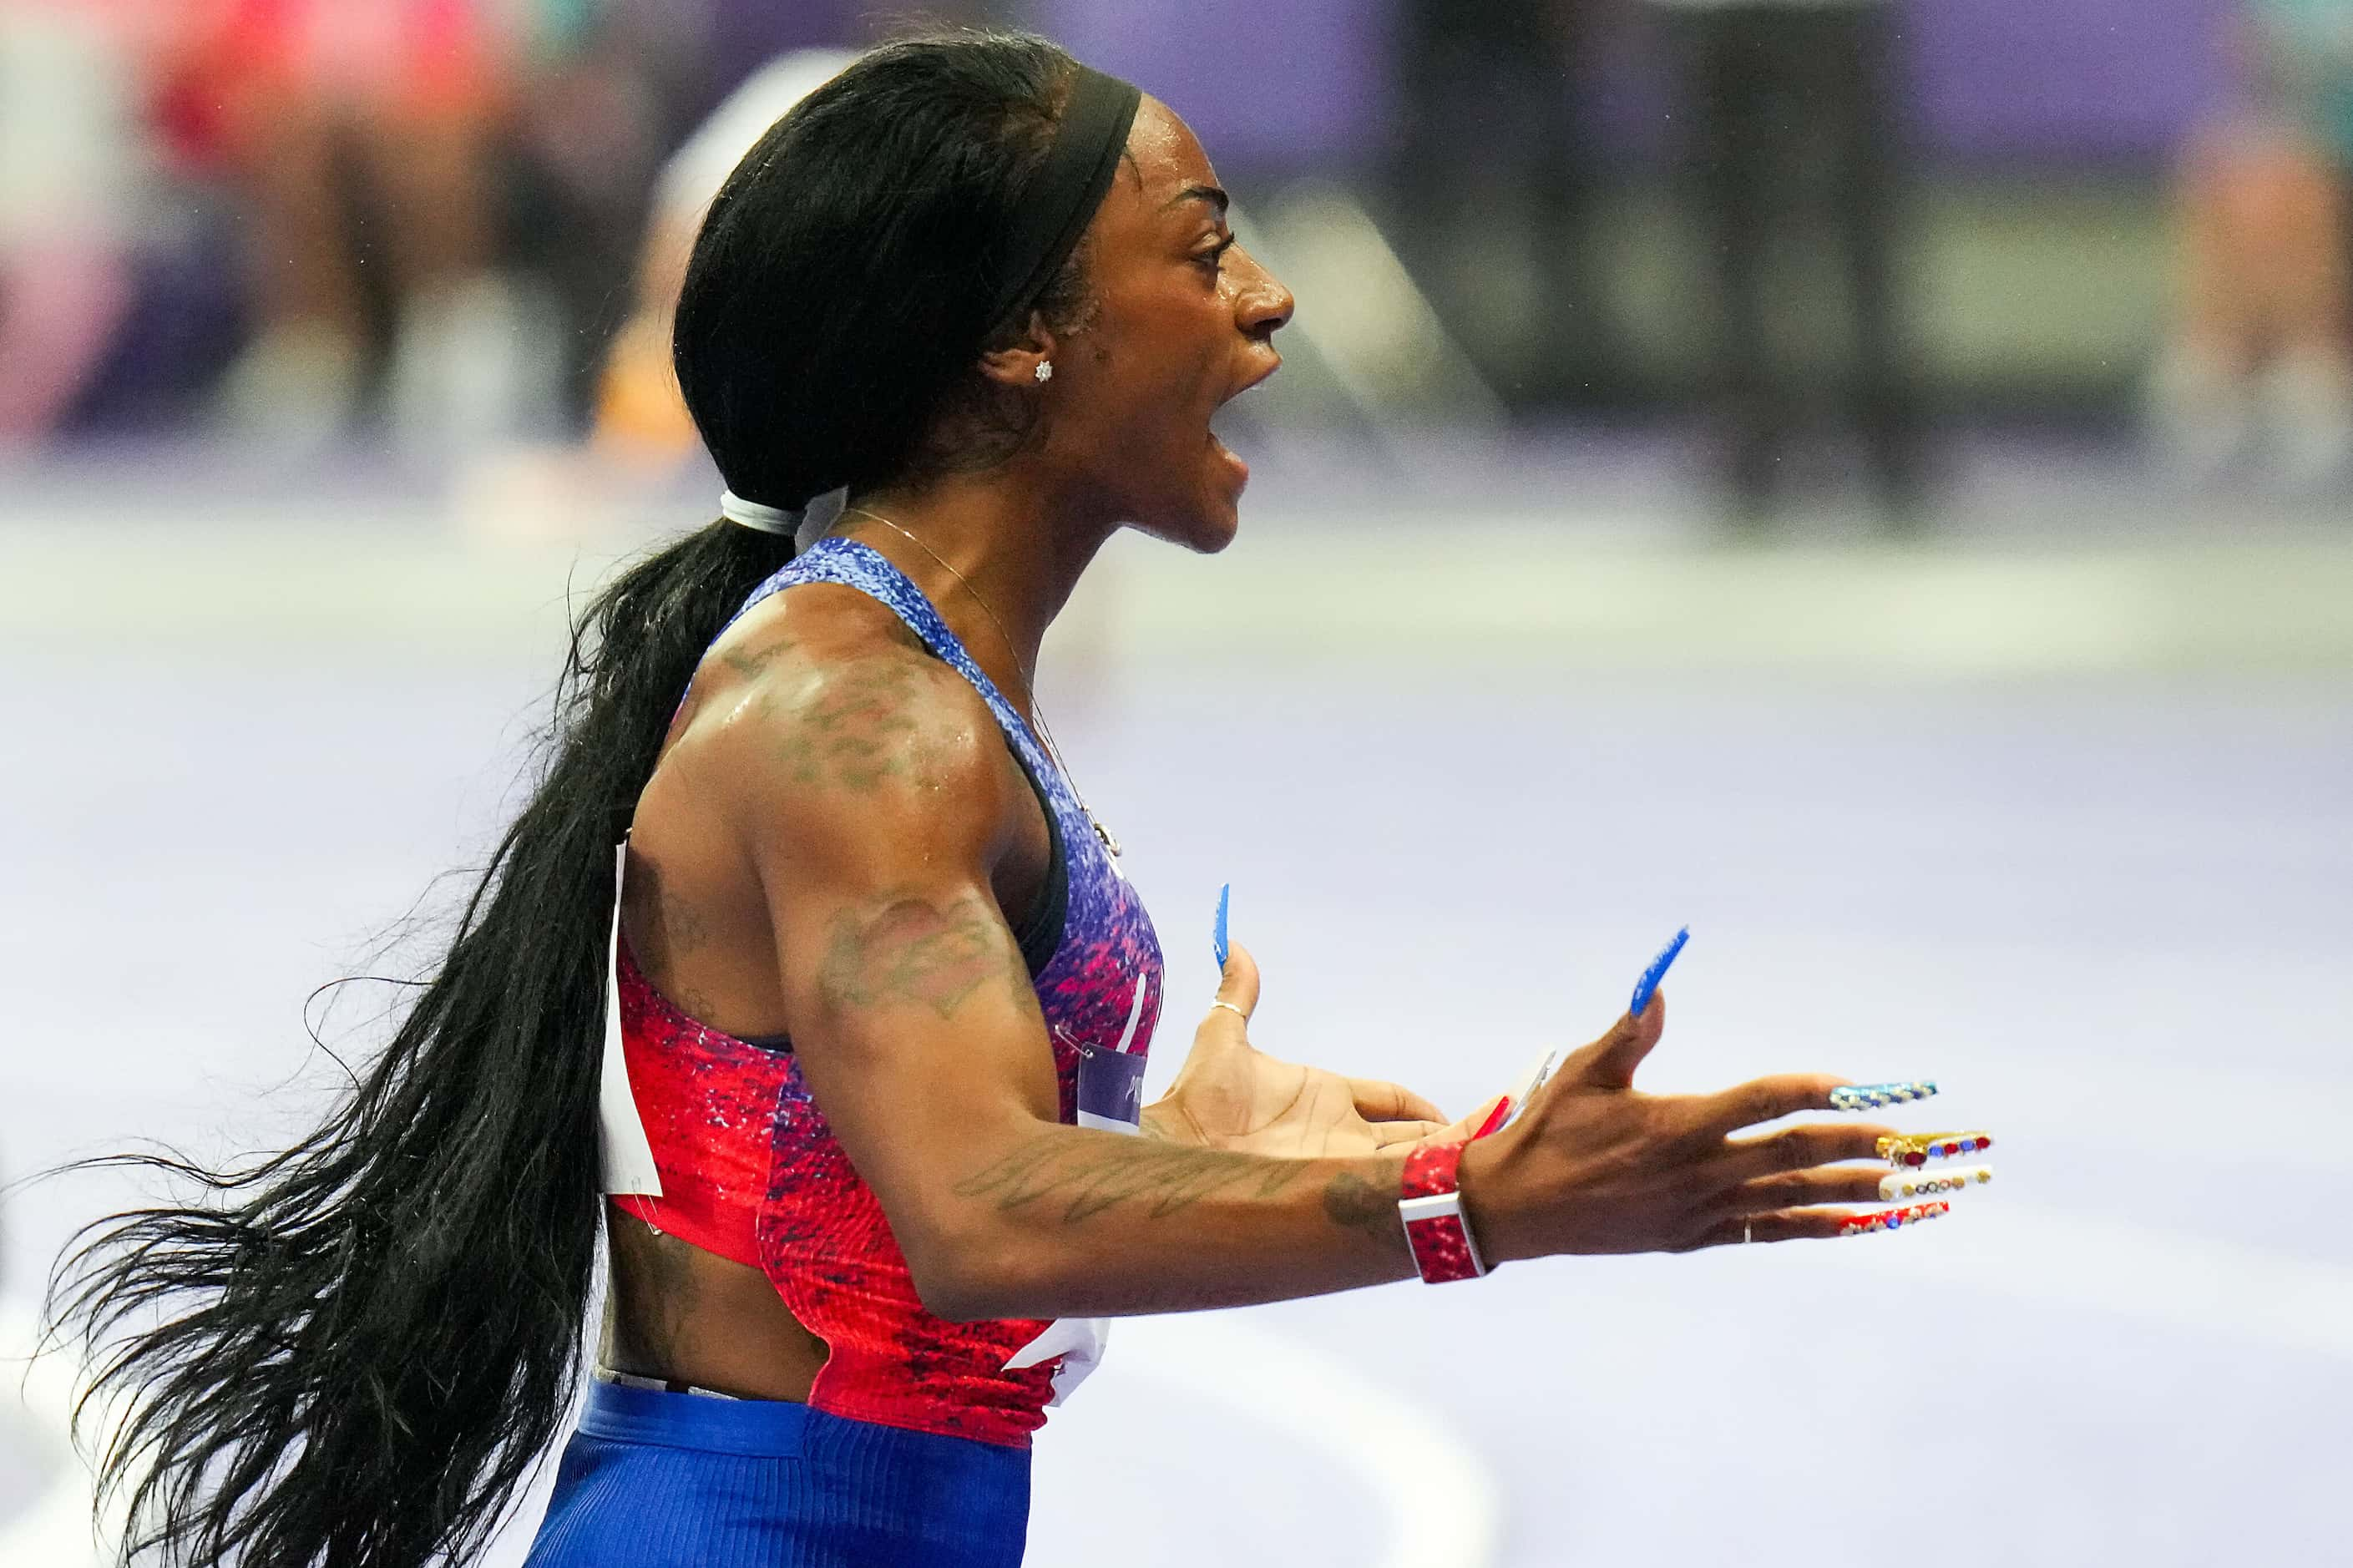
(1014, 364)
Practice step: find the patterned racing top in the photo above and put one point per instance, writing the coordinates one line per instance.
(749, 1169)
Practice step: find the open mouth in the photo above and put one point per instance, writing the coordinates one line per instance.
(1225, 454)
(1217, 446)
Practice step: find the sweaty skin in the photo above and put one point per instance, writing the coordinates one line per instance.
(827, 723)
(814, 688)
(835, 833)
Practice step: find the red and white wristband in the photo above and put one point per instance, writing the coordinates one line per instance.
(1430, 1203)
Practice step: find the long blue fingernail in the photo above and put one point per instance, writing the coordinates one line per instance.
(1873, 1096)
(1217, 936)
(1648, 987)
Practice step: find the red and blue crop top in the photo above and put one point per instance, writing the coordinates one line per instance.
(749, 1169)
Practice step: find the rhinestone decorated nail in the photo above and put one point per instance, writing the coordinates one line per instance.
(1909, 1184)
(1919, 1148)
(1873, 1096)
(1894, 1219)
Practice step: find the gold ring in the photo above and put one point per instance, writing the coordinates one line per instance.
(1229, 1007)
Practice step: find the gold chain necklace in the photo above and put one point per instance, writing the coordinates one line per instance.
(1045, 730)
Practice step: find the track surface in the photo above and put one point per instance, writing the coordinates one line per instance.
(2114, 917)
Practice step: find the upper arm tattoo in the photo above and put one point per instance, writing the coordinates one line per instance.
(915, 955)
(684, 927)
(858, 731)
(752, 662)
(849, 724)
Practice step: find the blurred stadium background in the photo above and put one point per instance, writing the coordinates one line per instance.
(1869, 479)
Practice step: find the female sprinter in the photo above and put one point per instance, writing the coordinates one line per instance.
(883, 994)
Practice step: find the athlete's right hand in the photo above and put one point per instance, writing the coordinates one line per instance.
(1230, 1095)
(1596, 1165)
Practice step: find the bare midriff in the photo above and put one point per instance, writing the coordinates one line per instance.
(683, 1315)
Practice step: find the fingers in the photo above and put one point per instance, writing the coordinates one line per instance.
(1798, 1149)
(1609, 1061)
(1387, 1134)
(1780, 1225)
(1379, 1101)
(1789, 1207)
(1767, 1099)
(1815, 1224)
(1477, 1124)
(1230, 1015)
(1238, 983)
(1803, 1189)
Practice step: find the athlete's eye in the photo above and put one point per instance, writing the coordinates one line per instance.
(1216, 259)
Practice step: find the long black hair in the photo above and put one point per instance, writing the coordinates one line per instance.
(350, 1354)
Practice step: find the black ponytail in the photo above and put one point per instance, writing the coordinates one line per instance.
(348, 1355)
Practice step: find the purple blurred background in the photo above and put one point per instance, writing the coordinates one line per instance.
(1308, 84)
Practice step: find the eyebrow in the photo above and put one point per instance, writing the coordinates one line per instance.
(1197, 193)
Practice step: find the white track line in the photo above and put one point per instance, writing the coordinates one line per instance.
(1446, 1508)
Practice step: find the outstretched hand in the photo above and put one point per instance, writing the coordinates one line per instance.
(1596, 1165)
(1230, 1095)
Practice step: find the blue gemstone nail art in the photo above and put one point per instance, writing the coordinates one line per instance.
(1873, 1096)
(1217, 935)
(1648, 987)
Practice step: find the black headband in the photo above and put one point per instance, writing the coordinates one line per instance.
(1060, 199)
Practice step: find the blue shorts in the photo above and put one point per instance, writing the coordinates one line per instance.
(652, 1479)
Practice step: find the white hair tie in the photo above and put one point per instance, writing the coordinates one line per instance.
(751, 514)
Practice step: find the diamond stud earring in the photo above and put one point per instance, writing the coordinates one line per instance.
(1044, 371)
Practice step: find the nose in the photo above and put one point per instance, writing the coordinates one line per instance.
(1262, 306)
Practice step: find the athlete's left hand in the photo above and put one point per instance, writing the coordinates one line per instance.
(1230, 1095)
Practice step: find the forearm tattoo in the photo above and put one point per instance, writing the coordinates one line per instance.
(1355, 1204)
(1088, 1176)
